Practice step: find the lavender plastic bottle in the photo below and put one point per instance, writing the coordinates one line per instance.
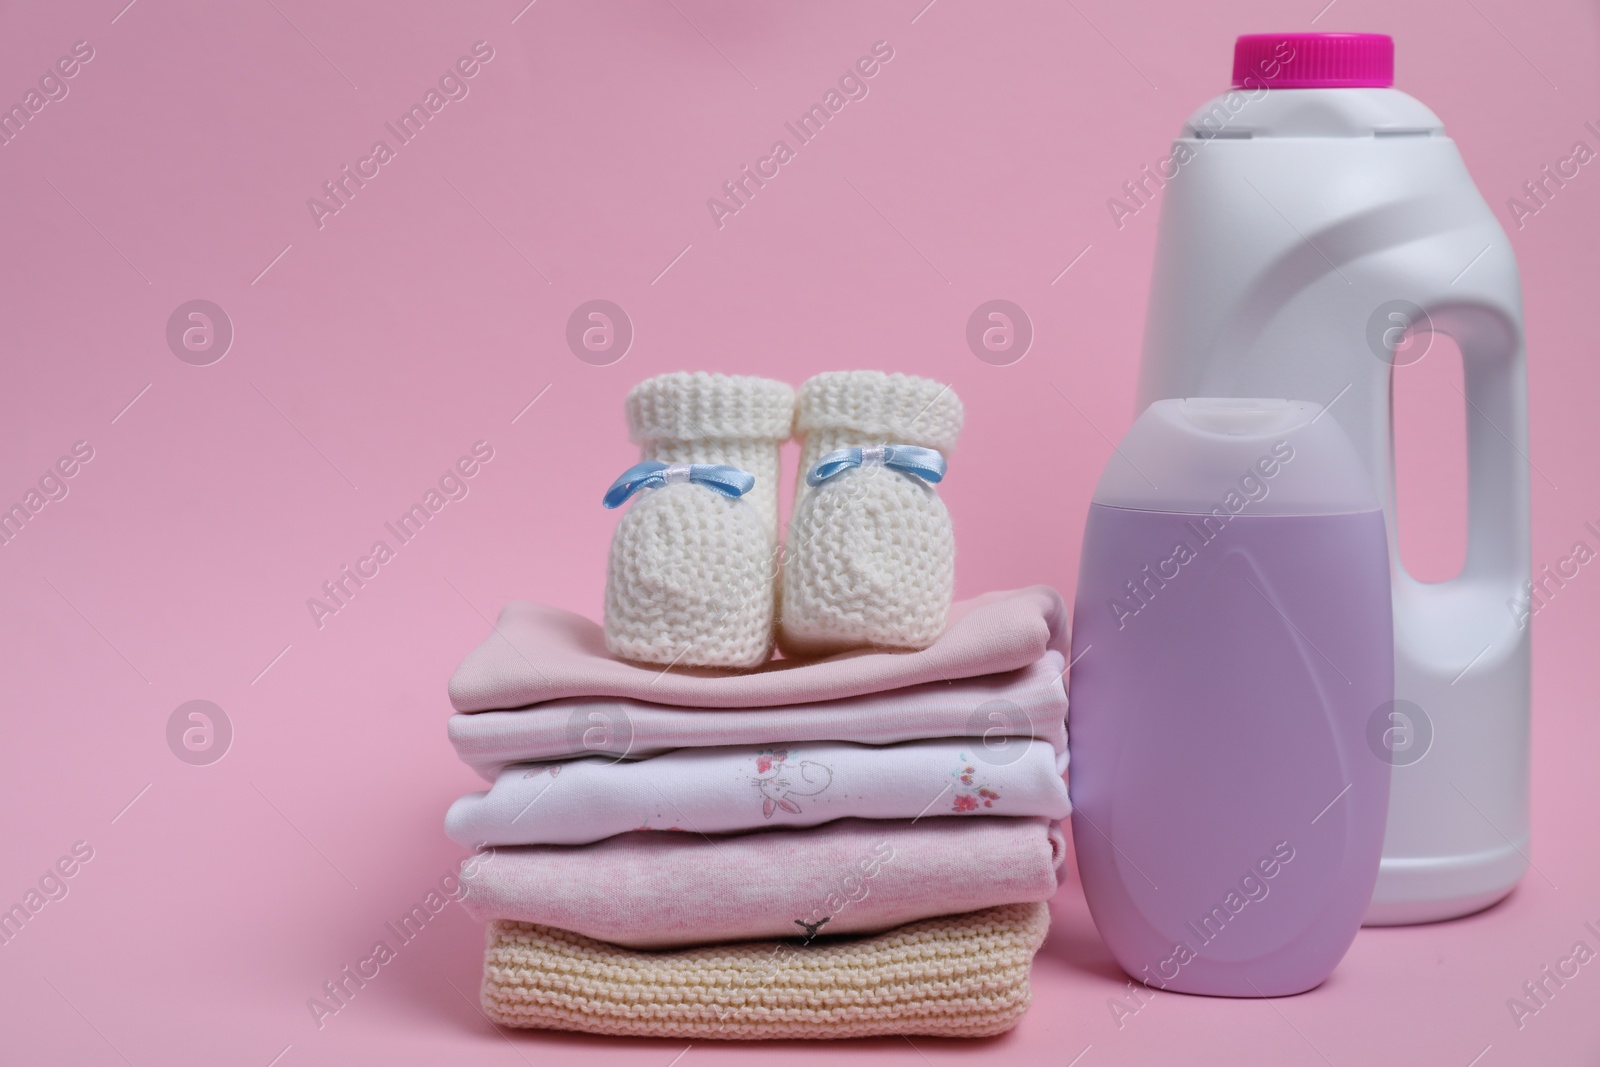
(1232, 651)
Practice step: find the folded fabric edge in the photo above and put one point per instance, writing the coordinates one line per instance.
(489, 741)
(471, 697)
(961, 975)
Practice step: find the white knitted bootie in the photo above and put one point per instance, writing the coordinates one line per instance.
(870, 559)
(691, 577)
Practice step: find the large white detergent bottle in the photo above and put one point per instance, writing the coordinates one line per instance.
(1312, 216)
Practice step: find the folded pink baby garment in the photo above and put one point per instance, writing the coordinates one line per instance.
(651, 890)
(993, 710)
(538, 653)
(748, 787)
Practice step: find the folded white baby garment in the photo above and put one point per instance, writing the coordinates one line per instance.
(736, 788)
(992, 710)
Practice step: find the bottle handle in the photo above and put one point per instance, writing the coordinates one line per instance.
(1495, 395)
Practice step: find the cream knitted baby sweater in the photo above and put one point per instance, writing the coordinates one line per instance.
(955, 976)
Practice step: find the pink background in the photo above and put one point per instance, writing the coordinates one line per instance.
(425, 316)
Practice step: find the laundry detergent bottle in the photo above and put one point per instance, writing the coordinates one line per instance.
(1313, 219)
(1230, 638)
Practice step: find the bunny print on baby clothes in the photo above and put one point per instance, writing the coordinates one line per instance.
(774, 780)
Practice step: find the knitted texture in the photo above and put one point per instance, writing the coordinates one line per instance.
(716, 418)
(871, 554)
(838, 409)
(692, 574)
(956, 976)
(690, 581)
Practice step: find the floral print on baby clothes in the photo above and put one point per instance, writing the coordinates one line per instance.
(736, 788)
(970, 794)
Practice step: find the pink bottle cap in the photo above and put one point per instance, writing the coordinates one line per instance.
(1314, 61)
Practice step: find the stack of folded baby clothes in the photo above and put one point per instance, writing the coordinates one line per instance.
(856, 841)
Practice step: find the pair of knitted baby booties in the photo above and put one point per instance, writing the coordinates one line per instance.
(697, 575)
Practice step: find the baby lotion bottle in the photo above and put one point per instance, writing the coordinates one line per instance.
(1231, 643)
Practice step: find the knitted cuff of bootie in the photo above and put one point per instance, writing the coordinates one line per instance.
(838, 409)
(698, 417)
(956, 976)
(870, 560)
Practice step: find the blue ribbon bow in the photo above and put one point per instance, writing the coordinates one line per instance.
(652, 474)
(925, 463)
